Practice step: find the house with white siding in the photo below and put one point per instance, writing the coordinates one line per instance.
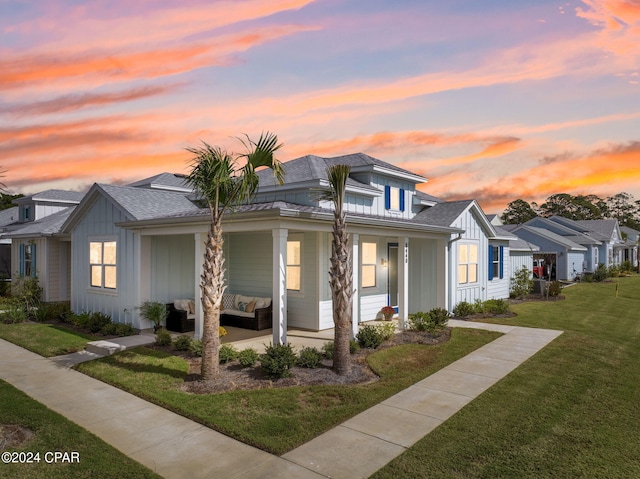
(411, 251)
(37, 248)
(629, 249)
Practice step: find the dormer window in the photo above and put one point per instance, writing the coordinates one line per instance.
(393, 198)
(26, 213)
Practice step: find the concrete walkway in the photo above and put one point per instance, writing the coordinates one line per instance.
(177, 447)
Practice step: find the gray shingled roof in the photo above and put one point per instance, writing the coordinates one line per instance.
(424, 196)
(605, 228)
(64, 196)
(171, 180)
(551, 236)
(8, 216)
(46, 226)
(443, 214)
(146, 203)
(569, 229)
(312, 167)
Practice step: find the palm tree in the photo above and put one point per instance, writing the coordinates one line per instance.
(223, 184)
(340, 270)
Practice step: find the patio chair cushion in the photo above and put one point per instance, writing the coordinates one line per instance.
(228, 301)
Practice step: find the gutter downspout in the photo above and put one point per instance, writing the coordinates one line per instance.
(449, 266)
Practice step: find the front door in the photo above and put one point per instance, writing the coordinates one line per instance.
(392, 274)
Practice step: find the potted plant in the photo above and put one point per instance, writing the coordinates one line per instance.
(154, 312)
(388, 312)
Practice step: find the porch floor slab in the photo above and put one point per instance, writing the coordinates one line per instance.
(176, 447)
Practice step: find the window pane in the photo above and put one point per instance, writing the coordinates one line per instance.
(109, 252)
(462, 273)
(110, 277)
(96, 276)
(463, 254)
(394, 200)
(95, 253)
(368, 276)
(473, 253)
(369, 254)
(473, 273)
(293, 252)
(293, 278)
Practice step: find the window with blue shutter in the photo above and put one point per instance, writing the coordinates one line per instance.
(496, 262)
(401, 199)
(387, 197)
(27, 260)
(501, 262)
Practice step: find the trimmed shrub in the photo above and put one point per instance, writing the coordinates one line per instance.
(124, 329)
(248, 357)
(97, 321)
(463, 309)
(327, 349)
(421, 321)
(496, 306)
(195, 346)
(439, 316)
(601, 273)
(309, 357)
(227, 353)
(555, 288)
(521, 283)
(370, 336)
(182, 343)
(278, 360)
(163, 337)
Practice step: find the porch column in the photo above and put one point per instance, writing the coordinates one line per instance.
(403, 282)
(200, 240)
(355, 265)
(279, 285)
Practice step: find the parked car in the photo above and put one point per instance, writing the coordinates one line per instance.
(538, 268)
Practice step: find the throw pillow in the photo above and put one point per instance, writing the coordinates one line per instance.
(250, 307)
(228, 301)
(242, 306)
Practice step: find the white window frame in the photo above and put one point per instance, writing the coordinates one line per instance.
(103, 266)
(465, 262)
(293, 266)
(369, 263)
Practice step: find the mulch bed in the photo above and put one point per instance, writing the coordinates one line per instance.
(234, 377)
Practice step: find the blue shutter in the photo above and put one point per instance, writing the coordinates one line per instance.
(21, 260)
(501, 262)
(401, 199)
(33, 261)
(490, 262)
(387, 197)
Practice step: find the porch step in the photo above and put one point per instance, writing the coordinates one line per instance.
(107, 347)
(104, 348)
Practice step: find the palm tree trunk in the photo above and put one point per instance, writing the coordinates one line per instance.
(341, 279)
(212, 287)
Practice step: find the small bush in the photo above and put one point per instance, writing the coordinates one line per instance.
(13, 313)
(354, 347)
(309, 358)
(163, 337)
(195, 346)
(463, 309)
(97, 321)
(278, 360)
(555, 288)
(182, 343)
(439, 316)
(124, 330)
(521, 283)
(626, 267)
(227, 353)
(421, 321)
(109, 329)
(248, 357)
(28, 291)
(601, 273)
(496, 306)
(370, 336)
(327, 349)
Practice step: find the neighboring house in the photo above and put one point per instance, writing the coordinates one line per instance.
(410, 250)
(568, 256)
(520, 252)
(628, 251)
(572, 231)
(7, 218)
(36, 247)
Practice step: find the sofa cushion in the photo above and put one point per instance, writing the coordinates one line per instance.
(181, 304)
(251, 305)
(228, 301)
(235, 312)
(241, 299)
(192, 307)
(262, 302)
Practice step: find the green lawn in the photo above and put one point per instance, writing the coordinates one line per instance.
(571, 411)
(53, 432)
(44, 339)
(278, 420)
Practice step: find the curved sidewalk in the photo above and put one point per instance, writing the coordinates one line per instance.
(176, 447)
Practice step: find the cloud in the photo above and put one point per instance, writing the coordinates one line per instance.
(72, 102)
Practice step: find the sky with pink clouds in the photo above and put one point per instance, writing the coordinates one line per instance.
(489, 99)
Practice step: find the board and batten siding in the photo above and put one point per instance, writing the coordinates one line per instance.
(473, 234)
(426, 274)
(99, 223)
(520, 259)
(575, 264)
(302, 306)
(172, 268)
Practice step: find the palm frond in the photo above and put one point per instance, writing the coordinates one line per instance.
(337, 175)
(262, 153)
